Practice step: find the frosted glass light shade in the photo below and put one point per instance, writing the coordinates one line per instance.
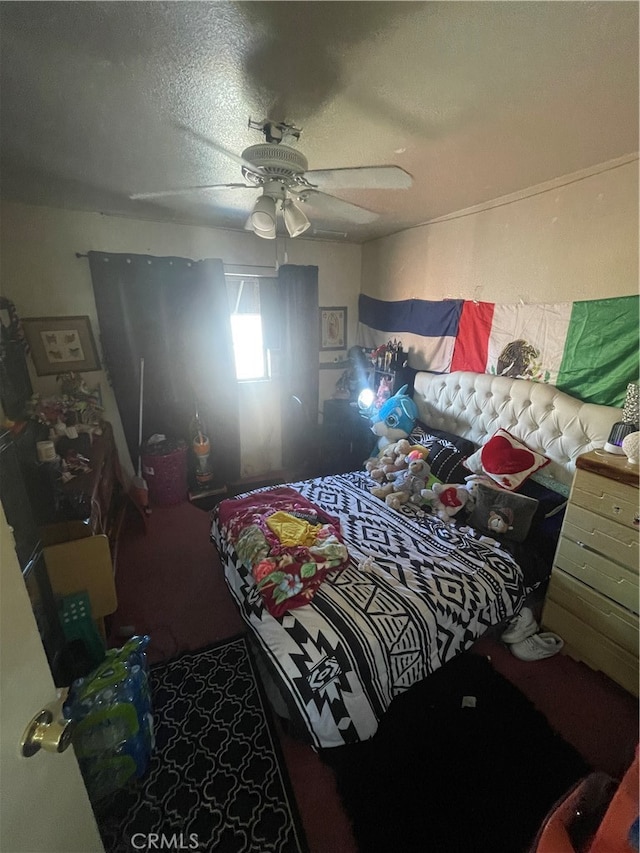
(294, 219)
(263, 217)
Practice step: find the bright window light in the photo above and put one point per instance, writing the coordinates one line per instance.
(246, 331)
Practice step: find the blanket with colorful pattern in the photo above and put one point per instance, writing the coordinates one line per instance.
(287, 542)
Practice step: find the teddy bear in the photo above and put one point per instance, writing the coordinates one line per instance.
(392, 459)
(408, 485)
(500, 519)
(445, 500)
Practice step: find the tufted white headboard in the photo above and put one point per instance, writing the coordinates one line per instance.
(475, 405)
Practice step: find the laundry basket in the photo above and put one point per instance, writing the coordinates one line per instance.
(164, 468)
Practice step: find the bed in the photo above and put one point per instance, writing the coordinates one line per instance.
(412, 591)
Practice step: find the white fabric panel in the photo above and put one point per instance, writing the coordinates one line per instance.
(475, 405)
(425, 353)
(544, 326)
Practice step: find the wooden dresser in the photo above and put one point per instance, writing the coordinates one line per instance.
(592, 600)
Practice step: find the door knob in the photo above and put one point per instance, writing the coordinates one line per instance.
(46, 731)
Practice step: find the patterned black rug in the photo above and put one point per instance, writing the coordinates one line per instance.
(217, 779)
(461, 762)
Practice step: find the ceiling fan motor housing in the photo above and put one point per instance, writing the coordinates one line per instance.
(277, 162)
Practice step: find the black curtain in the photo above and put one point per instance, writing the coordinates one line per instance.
(297, 297)
(15, 384)
(174, 313)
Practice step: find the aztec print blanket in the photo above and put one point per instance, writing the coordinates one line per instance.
(415, 593)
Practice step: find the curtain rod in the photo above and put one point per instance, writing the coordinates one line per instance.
(246, 270)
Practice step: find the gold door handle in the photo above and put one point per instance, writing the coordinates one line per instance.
(48, 730)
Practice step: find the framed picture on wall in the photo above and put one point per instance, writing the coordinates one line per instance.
(61, 344)
(333, 328)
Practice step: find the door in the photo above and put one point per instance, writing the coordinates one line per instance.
(44, 806)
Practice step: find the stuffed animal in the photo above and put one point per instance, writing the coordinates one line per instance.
(500, 519)
(395, 418)
(408, 485)
(392, 458)
(383, 393)
(445, 500)
(471, 485)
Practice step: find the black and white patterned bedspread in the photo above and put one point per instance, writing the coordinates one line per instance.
(416, 592)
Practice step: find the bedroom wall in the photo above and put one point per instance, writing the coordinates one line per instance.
(575, 238)
(42, 276)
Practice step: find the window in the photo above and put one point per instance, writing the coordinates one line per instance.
(248, 349)
(247, 329)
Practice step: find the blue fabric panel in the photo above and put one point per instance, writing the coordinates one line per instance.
(419, 316)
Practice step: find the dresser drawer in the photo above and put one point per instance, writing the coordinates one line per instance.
(584, 643)
(603, 615)
(608, 498)
(611, 579)
(601, 534)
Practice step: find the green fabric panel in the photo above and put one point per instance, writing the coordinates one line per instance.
(601, 351)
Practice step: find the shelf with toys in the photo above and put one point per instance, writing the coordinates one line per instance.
(389, 371)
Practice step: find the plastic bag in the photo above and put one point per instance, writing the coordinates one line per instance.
(112, 707)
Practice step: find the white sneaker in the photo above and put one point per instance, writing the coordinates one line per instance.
(538, 646)
(521, 626)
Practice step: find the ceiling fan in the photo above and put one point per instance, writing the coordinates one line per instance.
(281, 173)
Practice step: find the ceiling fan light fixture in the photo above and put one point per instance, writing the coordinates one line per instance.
(268, 234)
(294, 218)
(263, 216)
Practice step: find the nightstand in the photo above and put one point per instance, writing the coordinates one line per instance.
(592, 599)
(347, 439)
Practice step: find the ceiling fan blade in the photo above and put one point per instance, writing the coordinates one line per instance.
(333, 206)
(211, 144)
(361, 177)
(186, 190)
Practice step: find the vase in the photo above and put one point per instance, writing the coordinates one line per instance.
(631, 447)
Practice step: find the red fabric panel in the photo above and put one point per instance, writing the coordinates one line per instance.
(472, 343)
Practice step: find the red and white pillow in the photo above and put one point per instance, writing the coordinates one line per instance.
(506, 460)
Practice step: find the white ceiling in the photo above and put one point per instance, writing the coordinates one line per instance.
(475, 100)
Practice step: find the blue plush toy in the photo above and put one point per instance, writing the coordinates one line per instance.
(395, 418)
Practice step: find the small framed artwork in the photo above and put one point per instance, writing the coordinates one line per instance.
(61, 344)
(333, 328)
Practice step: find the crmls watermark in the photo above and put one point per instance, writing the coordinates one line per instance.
(163, 841)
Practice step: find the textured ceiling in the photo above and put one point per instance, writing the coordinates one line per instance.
(475, 100)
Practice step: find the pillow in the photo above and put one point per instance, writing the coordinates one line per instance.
(423, 434)
(551, 502)
(446, 462)
(506, 460)
(502, 514)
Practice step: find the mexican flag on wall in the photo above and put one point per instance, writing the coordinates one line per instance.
(588, 349)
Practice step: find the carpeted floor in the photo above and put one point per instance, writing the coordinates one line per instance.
(217, 777)
(462, 761)
(170, 585)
